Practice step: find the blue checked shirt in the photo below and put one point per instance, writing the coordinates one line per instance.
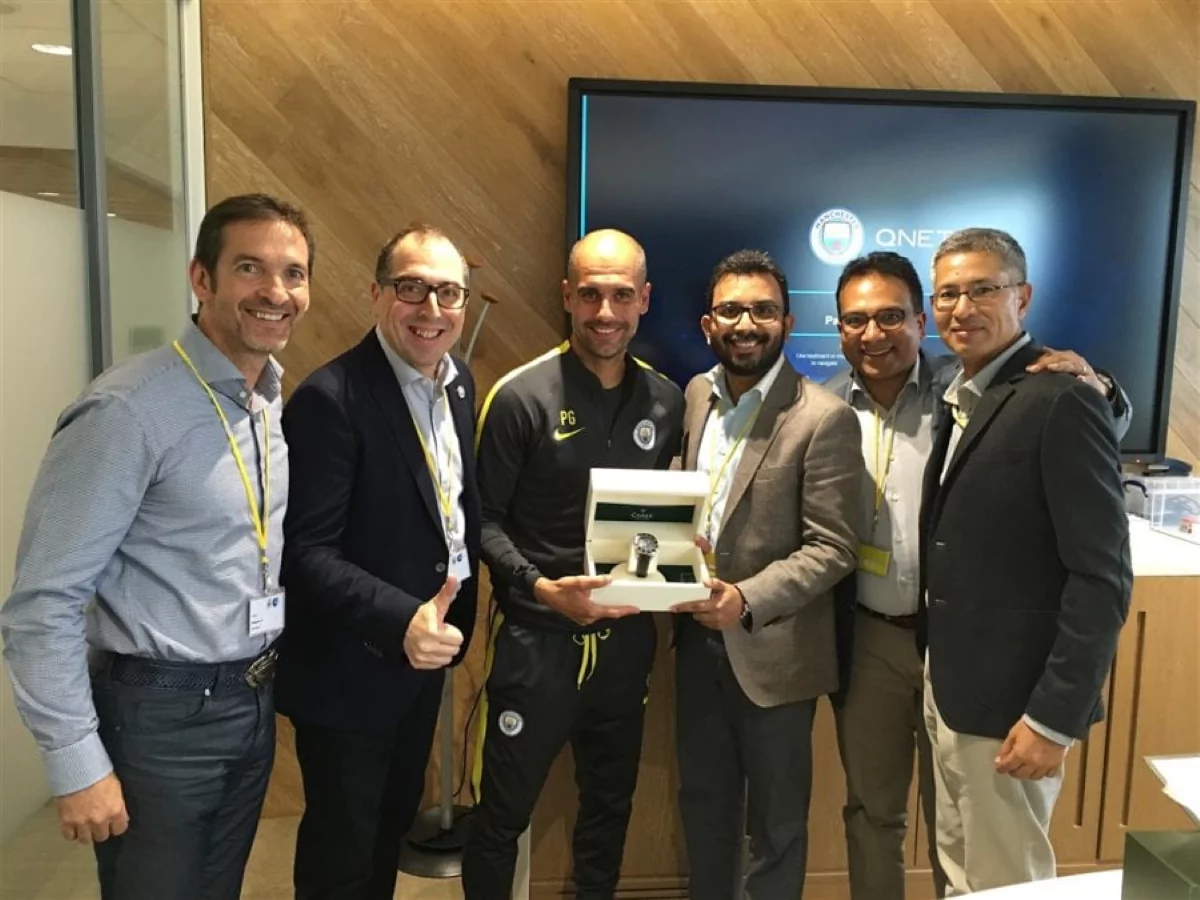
(139, 507)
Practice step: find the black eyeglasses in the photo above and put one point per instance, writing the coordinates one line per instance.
(982, 293)
(885, 320)
(415, 291)
(762, 312)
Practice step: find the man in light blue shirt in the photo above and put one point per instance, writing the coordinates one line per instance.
(151, 544)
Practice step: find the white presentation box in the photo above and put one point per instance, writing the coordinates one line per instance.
(667, 504)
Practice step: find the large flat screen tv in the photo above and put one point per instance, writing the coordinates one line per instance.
(1093, 188)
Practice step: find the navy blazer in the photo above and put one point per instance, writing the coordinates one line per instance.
(363, 542)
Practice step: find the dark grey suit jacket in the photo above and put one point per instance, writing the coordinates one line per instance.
(1025, 555)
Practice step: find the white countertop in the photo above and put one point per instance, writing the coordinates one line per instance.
(1156, 553)
(1092, 886)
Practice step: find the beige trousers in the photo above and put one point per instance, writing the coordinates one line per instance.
(992, 829)
(880, 729)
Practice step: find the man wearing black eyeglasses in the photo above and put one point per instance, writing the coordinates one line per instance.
(380, 561)
(893, 386)
(1025, 571)
(780, 531)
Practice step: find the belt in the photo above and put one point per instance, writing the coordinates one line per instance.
(908, 623)
(138, 671)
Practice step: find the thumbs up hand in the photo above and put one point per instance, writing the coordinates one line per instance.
(441, 602)
(429, 642)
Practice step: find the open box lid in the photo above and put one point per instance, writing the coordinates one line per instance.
(670, 504)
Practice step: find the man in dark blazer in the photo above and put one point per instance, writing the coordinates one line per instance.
(879, 705)
(1026, 571)
(380, 562)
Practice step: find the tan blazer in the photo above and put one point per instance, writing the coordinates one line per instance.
(789, 533)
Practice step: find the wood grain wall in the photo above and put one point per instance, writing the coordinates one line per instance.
(373, 113)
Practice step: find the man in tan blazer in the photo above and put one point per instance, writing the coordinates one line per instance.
(784, 464)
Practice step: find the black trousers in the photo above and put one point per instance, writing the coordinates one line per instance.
(193, 764)
(743, 769)
(543, 691)
(361, 793)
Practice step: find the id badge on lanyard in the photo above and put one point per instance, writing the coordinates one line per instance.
(460, 561)
(874, 560)
(267, 614)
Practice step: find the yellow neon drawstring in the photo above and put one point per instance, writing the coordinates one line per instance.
(590, 644)
(583, 641)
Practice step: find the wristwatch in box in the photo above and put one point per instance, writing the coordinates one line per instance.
(645, 552)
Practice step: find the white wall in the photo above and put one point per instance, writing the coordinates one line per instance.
(43, 367)
(150, 298)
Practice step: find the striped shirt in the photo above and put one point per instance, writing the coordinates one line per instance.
(139, 506)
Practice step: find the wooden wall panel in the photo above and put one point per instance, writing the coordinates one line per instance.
(374, 113)
(1155, 680)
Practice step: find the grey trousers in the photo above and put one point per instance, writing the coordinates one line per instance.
(193, 766)
(743, 769)
(880, 726)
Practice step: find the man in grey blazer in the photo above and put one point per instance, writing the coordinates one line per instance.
(780, 531)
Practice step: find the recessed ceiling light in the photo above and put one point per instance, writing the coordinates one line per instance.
(49, 194)
(112, 215)
(52, 49)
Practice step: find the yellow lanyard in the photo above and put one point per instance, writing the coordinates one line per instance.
(444, 493)
(883, 464)
(260, 522)
(714, 480)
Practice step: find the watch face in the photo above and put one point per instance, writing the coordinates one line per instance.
(645, 544)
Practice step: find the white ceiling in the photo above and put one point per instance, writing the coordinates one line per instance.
(140, 81)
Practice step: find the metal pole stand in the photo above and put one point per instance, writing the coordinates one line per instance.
(433, 846)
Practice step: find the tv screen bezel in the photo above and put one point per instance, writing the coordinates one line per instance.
(1184, 110)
